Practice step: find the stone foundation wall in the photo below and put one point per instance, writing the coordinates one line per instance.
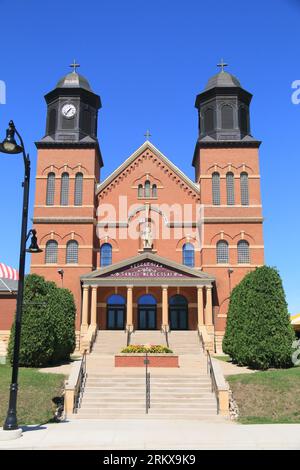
(4, 337)
(219, 335)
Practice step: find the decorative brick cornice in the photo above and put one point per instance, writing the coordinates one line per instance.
(64, 220)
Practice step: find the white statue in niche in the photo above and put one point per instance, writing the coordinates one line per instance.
(146, 236)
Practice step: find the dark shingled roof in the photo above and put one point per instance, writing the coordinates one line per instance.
(222, 79)
(73, 80)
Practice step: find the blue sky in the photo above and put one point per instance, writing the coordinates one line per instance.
(148, 60)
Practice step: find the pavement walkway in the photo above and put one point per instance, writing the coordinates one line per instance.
(162, 434)
(232, 369)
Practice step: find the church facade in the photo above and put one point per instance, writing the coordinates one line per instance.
(147, 247)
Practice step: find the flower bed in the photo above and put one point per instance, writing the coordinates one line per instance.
(145, 348)
(157, 355)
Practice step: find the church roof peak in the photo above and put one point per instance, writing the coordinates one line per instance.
(147, 145)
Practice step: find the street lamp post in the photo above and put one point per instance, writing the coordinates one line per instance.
(10, 146)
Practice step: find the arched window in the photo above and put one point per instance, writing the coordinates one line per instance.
(51, 252)
(115, 299)
(147, 188)
(116, 306)
(64, 190)
(147, 299)
(72, 252)
(50, 189)
(230, 188)
(227, 117)
(244, 120)
(244, 189)
(243, 251)
(52, 121)
(140, 190)
(154, 190)
(222, 252)
(105, 254)
(208, 120)
(86, 121)
(178, 312)
(216, 188)
(178, 300)
(188, 255)
(78, 189)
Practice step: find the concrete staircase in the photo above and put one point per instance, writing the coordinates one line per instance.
(119, 393)
(109, 342)
(172, 397)
(184, 342)
(148, 337)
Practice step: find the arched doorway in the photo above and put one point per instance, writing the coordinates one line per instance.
(178, 312)
(147, 312)
(115, 312)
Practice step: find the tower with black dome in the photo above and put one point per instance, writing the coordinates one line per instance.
(68, 171)
(72, 110)
(226, 161)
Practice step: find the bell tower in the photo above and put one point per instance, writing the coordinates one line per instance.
(68, 171)
(72, 110)
(226, 161)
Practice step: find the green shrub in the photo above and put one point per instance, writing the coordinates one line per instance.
(258, 332)
(48, 324)
(142, 348)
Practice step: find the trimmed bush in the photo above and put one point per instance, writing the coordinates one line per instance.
(258, 331)
(48, 324)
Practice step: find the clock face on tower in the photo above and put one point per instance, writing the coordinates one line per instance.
(68, 110)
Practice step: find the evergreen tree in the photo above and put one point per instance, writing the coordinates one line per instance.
(258, 332)
(48, 324)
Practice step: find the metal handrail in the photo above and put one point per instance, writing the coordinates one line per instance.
(201, 340)
(164, 330)
(78, 392)
(210, 371)
(148, 396)
(128, 336)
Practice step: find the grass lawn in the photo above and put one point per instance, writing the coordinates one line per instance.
(223, 358)
(35, 397)
(267, 397)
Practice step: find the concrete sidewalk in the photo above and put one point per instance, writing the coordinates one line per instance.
(145, 434)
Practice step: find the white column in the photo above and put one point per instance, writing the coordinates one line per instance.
(165, 307)
(208, 308)
(129, 318)
(200, 305)
(94, 306)
(85, 307)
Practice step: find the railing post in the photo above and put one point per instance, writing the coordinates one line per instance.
(147, 397)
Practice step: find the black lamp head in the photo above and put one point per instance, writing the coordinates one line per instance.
(33, 248)
(9, 144)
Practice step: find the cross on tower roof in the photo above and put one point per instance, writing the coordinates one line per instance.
(74, 65)
(147, 135)
(222, 64)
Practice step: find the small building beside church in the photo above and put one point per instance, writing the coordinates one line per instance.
(147, 247)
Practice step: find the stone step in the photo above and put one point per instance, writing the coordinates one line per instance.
(115, 394)
(94, 413)
(155, 402)
(175, 385)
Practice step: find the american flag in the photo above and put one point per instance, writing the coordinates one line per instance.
(6, 272)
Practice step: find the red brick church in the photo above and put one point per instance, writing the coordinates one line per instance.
(147, 247)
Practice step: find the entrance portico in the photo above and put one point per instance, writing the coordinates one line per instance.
(147, 292)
